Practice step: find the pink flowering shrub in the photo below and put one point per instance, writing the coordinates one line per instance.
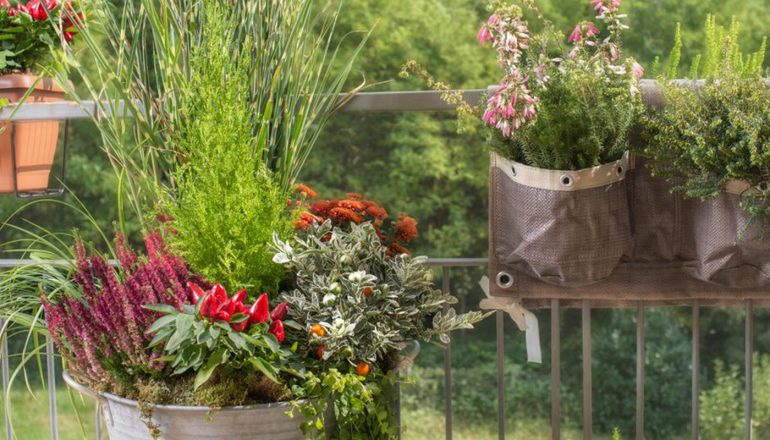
(561, 112)
(102, 333)
(563, 101)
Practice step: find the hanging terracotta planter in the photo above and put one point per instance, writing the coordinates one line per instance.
(27, 149)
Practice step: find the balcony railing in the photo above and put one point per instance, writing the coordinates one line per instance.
(431, 101)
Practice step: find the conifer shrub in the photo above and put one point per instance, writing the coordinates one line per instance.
(718, 129)
(226, 205)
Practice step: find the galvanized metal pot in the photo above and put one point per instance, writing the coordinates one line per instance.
(254, 422)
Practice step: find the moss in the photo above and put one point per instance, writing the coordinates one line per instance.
(233, 390)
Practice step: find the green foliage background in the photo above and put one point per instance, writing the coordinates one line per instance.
(417, 163)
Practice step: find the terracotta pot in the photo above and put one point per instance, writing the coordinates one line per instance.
(35, 141)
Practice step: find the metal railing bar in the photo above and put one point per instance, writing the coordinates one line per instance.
(640, 373)
(433, 262)
(98, 420)
(445, 286)
(51, 379)
(457, 262)
(587, 382)
(555, 370)
(4, 366)
(695, 421)
(749, 367)
(500, 331)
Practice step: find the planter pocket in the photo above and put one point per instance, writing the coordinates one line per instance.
(723, 246)
(567, 228)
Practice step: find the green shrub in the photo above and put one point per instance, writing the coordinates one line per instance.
(226, 205)
(722, 407)
(710, 136)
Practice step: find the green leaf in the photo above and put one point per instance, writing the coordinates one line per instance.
(161, 308)
(204, 374)
(238, 340)
(160, 323)
(238, 318)
(265, 367)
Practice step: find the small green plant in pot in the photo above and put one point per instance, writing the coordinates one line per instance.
(361, 301)
(710, 141)
(558, 124)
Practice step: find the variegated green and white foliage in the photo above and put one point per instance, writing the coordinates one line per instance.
(369, 302)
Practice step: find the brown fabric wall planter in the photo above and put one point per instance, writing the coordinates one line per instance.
(35, 142)
(124, 421)
(724, 246)
(566, 228)
(679, 251)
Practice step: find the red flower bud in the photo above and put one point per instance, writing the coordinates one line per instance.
(276, 328)
(280, 312)
(260, 311)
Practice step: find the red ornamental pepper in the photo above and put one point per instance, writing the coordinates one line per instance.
(209, 306)
(219, 292)
(195, 291)
(38, 11)
(260, 311)
(239, 297)
(223, 315)
(280, 312)
(239, 326)
(276, 328)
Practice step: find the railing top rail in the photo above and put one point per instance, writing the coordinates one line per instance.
(406, 101)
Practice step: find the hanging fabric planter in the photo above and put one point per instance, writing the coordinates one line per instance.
(566, 228)
(723, 245)
(28, 148)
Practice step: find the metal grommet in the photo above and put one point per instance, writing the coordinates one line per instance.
(504, 280)
(566, 180)
(764, 186)
(513, 170)
(619, 170)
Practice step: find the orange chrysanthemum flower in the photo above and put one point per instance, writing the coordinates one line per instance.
(406, 228)
(345, 215)
(354, 205)
(354, 196)
(305, 191)
(322, 208)
(305, 220)
(376, 211)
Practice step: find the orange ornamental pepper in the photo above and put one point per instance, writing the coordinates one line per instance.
(368, 291)
(320, 351)
(318, 330)
(362, 369)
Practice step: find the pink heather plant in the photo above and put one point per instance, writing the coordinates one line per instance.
(102, 334)
(514, 104)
